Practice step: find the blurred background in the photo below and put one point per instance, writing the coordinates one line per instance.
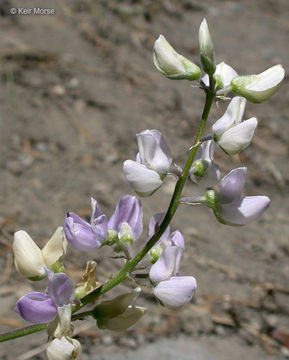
(75, 89)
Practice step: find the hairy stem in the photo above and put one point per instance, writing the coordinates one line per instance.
(130, 265)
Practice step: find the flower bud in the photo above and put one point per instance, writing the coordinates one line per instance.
(259, 88)
(206, 49)
(65, 348)
(171, 64)
(124, 321)
(28, 257)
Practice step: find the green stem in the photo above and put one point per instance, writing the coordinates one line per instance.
(13, 334)
(130, 265)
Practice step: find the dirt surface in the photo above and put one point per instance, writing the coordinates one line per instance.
(75, 89)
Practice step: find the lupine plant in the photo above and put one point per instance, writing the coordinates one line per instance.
(55, 309)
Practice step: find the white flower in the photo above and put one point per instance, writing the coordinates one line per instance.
(146, 174)
(30, 260)
(223, 75)
(65, 348)
(230, 133)
(259, 88)
(172, 64)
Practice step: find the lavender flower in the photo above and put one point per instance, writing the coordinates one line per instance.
(167, 265)
(86, 236)
(176, 291)
(38, 307)
(146, 174)
(232, 208)
(124, 225)
(173, 291)
(128, 211)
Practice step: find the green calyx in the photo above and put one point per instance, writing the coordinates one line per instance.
(111, 238)
(208, 65)
(191, 71)
(57, 267)
(37, 278)
(199, 168)
(212, 199)
(239, 86)
(155, 253)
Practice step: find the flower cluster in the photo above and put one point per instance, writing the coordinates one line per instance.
(162, 250)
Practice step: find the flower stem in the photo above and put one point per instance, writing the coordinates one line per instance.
(14, 334)
(130, 265)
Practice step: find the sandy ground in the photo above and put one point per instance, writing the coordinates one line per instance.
(75, 89)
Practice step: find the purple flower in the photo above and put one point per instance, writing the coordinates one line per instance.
(125, 224)
(177, 291)
(146, 174)
(128, 210)
(86, 236)
(36, 307)
(39, 308)
(234, 209)
(60, 288)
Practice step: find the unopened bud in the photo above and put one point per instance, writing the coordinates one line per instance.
(171, 64)
(27, 256)
(206, 49)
